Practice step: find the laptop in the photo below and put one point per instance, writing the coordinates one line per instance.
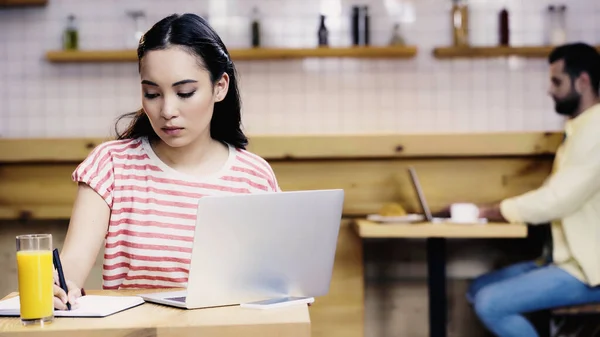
(423, 201)
(257, 250)
(417, 187)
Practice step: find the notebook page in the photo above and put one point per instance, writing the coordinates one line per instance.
(88, 306)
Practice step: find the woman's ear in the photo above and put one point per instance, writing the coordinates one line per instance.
(221, 88)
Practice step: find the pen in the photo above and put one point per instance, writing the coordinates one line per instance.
(61, 275)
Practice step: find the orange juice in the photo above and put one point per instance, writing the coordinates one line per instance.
(36, 293)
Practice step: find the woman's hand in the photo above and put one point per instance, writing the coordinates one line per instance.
(61, 298)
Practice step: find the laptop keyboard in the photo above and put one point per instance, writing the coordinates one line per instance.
(177, 299)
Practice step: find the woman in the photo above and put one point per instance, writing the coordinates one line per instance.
(139, 192)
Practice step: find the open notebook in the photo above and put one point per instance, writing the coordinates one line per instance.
(88, 306)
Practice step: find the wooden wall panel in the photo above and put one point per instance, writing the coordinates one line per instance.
(43, 191)
(36, 191)
(341, 312)
(321, 146)
(370, 183)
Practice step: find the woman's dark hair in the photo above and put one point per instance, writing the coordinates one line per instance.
(191, 32)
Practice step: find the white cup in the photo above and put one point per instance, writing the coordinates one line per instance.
(464, 213)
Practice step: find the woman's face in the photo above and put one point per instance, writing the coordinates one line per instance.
(178, 95)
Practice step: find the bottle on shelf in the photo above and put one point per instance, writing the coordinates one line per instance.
(504, 28)
(255, 28)
(366, 30)
(323, 33)
(359, 25)
(557, 26)
(139, 22)
(460, 23)
(355, 25)
(397, 39)
(71, 34)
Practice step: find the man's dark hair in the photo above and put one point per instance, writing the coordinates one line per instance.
(579, 58)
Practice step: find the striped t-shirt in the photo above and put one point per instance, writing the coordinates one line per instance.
(153, 208)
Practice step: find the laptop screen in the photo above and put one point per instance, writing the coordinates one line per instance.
(417, 186)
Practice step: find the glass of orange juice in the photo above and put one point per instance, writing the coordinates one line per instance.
(35, 271)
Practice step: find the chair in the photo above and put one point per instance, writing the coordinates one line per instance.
(575, 321)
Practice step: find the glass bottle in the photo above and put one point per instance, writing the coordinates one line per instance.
(323, 33)
(460, 23)
(71, 35)
(366, 25)
(255, 28)
(397, 39)
(504, 33)
(355, 25)
(139, 20)
(557, 25)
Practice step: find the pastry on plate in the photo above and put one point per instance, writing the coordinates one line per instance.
(392, 209)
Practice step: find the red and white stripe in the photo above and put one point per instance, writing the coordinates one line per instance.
(153, 210)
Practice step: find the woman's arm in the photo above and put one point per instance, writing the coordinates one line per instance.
(86, 233)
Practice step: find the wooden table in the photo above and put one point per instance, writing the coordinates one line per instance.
(436, 235)
(151, 320)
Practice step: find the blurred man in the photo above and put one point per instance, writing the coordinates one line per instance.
(569, 200)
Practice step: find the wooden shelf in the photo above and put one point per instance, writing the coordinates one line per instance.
(242, 54)
(485, 52)
(81, 56)
(350, 52)
(22, 3)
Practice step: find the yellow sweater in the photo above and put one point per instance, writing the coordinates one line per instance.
(570, 200)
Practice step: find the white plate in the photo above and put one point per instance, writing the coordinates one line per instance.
(409, 218)
(449, 220)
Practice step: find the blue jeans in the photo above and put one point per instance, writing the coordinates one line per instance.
(502, 297)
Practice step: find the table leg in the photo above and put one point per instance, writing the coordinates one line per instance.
(436, 282)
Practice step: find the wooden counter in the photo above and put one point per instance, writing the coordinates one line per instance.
(436, 235)
(151, 320)
(371, 230)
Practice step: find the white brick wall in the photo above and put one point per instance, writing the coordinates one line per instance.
(40, 99)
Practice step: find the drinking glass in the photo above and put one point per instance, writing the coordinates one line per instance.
(35, 269)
